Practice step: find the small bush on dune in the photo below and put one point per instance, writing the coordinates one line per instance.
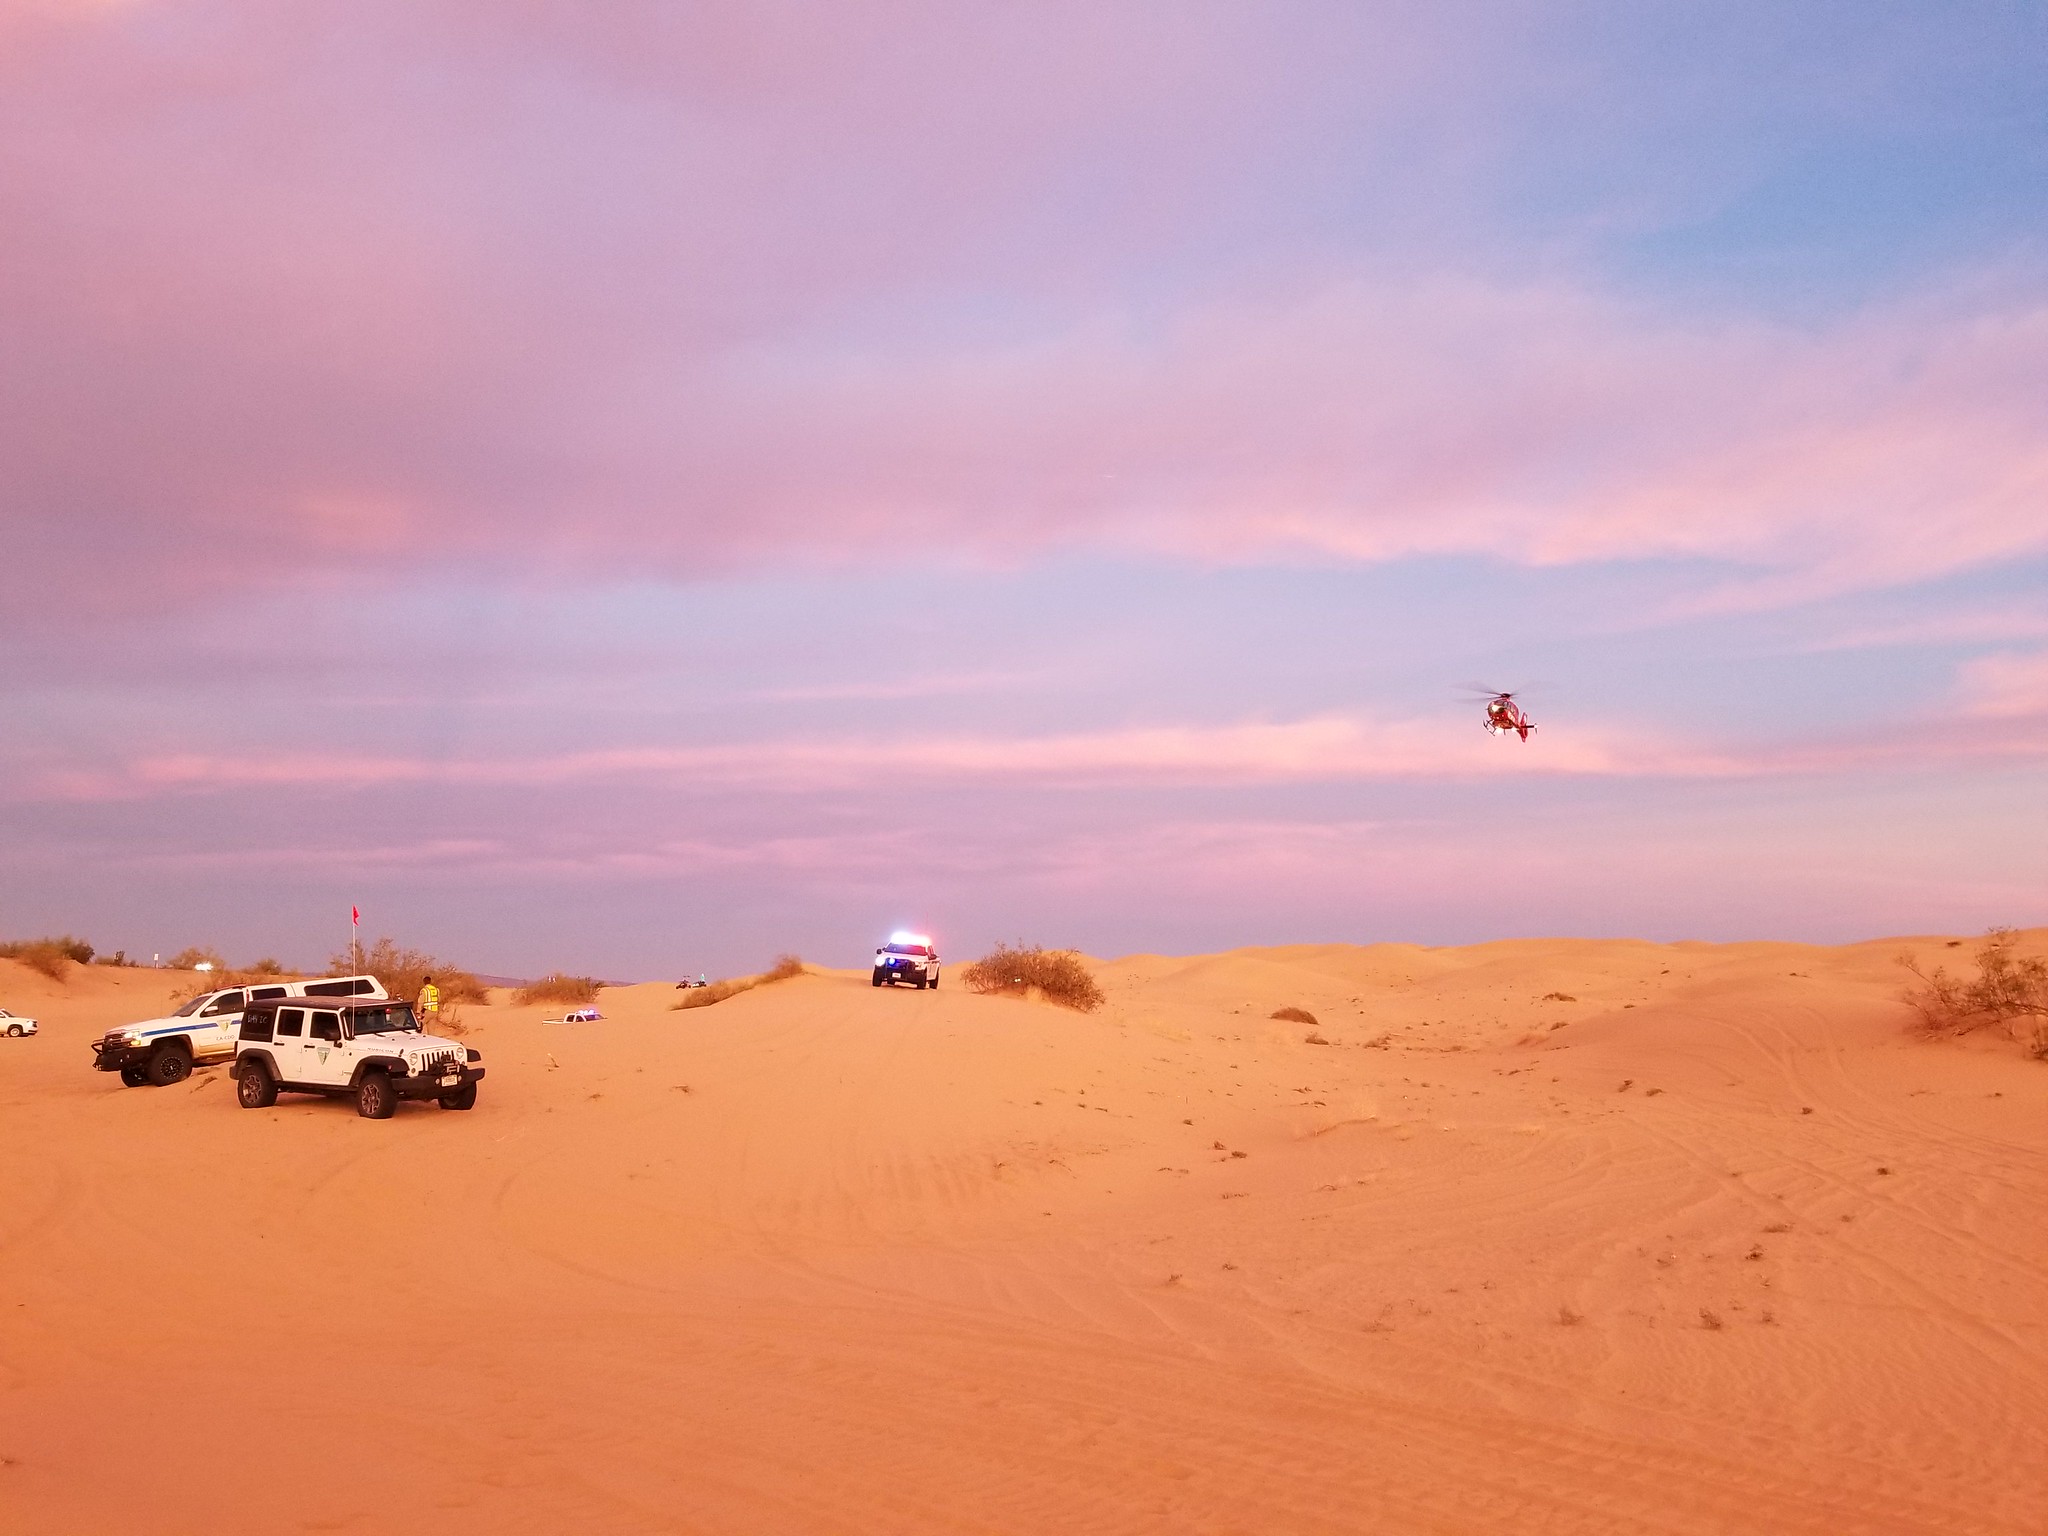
(1294, 1015)
(43, 957)
(2009, 990)
(785, 968)
(1015, 969)
(404, 971)
(558, 988)
(52, 957)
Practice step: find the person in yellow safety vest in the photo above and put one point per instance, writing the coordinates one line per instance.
(429, 1001)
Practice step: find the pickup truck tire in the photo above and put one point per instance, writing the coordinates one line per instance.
(462, 1098)
(14, 1031)
(135, 1077)
(878, 978)
(935, 983)
(374, 1098)
(255, 1088)
(171, 1064)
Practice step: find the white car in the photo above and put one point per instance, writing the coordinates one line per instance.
(370, 1049)
(13, 1027)
(907, 957)
(204, 1031)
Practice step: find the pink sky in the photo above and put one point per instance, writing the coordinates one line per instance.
(905, 452)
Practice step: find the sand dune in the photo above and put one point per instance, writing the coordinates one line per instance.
(1548, 1236)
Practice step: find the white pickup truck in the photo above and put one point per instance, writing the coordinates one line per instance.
(203, 1033)
(907, 957)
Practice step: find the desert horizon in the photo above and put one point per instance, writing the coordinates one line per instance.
(1568, 1234)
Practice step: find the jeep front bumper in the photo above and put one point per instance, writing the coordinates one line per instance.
(434, 1086)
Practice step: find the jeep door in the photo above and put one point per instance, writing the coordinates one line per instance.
(327, 1059)
(288, 1045)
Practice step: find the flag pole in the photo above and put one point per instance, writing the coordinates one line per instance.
(355, 938)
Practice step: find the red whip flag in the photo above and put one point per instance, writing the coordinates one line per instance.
(354, 917)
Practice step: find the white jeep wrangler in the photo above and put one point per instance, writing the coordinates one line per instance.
(372, 1050)
(203, 1032)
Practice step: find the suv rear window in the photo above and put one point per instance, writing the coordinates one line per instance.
(343, 986)
(260, 994)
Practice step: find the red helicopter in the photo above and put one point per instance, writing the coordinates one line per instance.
(1503, 714)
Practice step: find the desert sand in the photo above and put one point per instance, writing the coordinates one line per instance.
(1548, 1236)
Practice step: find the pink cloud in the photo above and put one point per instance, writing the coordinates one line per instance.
(1323, 749)
(2010, 685)
(669, 291)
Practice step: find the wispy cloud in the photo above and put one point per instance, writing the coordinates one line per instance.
(319, 354)
(1323, 749)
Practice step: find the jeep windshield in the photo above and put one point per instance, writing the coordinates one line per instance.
(395, 1020)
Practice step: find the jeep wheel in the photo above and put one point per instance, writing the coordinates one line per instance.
(255, 1088)
(135, 1077)
(462, 1098)
(374, 1098)
(171, 1064)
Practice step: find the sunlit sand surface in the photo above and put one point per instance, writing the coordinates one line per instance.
(1547, 1236)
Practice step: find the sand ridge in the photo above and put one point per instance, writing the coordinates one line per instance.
(1547, 1235)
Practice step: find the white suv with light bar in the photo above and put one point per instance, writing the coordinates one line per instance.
(369, 1049)
(907, 957)
(204, 1031)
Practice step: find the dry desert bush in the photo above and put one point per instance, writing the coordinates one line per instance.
(1016, 970)
(1295, 1016)
(46, 957)
(2009, 994)
(71, 949)
(404, 971)
(557, 988)
(785, 967)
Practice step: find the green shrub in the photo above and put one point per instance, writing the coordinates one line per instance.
(1015, 970)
